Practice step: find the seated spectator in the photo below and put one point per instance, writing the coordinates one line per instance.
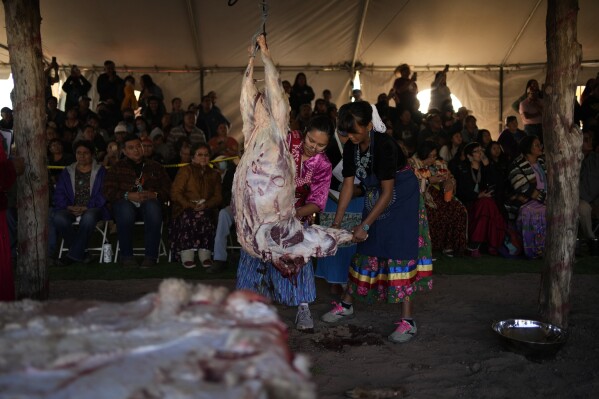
(187, 131)
(177, 112)
(183, 148)
(320, 107)
(136, 189)
(225, 215)
(470, 130)
(129, 100)
(113, 154)
(449, 150)
(457, 159)
(141, 127)
(83, 110)
(209, 118)
(460, 116)
(53, 114)
(476, 190)
(120, 132)
(196, 195)
(160, 146)
(589, 109)
(447, 217)
(56, 157)
(153, 113)
(327, 97)
(165, 125)
(528, 190)
(510, 138)
(406, 131)
(149, 90)
(7, 120)
(357, 95)
(222, 144)
(78, 197)
(589, 189)
(484, 138)
(70, 129)
(89, 134)
(148, 146)
(94, 121)
(433, 131)
(304, 116)
(499, 165)
(128, 120)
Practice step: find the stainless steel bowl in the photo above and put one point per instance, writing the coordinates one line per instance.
(530, 337)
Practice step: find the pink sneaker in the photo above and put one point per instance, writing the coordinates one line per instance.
(404, 331)
(337, 313)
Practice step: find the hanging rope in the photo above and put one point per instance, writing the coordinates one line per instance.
(260, 31)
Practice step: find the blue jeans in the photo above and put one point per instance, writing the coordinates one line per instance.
(76, 240)
(125, 214)
(223, 229)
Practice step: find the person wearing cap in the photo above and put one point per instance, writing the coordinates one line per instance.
(136, 188)
(78, 197)
(7, 119)
(75, 86)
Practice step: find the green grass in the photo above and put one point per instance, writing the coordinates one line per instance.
(486, 265)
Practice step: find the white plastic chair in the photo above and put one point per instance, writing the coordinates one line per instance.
(141, 250)
(103, 231)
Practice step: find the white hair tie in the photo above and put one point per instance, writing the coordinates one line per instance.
(377, 122)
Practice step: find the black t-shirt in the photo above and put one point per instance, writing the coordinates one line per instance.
(388, 157)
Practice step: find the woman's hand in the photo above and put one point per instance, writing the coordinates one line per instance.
(485, 194)
(76, 210)
(359, 234)
(438, 178)
(200, 207)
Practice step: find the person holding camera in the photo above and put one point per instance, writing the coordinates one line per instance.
(440, 93)
(75, 86)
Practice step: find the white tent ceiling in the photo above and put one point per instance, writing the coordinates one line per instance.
(320, 37)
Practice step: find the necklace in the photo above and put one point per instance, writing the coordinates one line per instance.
(363, 161)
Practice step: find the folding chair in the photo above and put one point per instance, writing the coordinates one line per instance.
(103, 231)
(141, 250)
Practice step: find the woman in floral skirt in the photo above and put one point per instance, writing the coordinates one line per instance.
(393, 260)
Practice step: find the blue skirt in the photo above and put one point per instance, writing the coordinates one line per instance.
(334, 269)
(264, 279)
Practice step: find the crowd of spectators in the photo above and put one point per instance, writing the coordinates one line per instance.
(480, 194)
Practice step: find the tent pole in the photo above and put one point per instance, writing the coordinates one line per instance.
(500, 99)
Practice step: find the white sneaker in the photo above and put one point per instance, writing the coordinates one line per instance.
(338, 313)
(303, 319)
(404, 331)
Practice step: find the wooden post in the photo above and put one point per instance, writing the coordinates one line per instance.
(23, 21)
(563, 142)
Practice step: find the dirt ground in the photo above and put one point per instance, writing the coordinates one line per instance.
(455, 353)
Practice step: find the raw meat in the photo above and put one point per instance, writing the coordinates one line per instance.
(183, 342)
(264, 183)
